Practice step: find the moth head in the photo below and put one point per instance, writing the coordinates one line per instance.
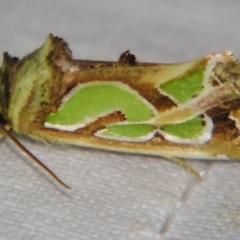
(5, 82)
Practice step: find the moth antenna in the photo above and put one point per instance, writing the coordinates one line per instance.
(185, 165)
(32, 157)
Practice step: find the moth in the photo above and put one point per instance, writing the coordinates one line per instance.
(180, 111)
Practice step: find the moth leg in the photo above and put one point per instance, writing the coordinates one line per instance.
(185, 165)
(5, 132)
(7, 127)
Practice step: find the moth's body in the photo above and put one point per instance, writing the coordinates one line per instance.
(34, 89)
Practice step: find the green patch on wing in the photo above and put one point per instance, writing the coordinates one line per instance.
(96, 99)
(186, 87)
(130, 132)
(187, 130)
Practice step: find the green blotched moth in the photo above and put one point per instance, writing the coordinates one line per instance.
(189, 110)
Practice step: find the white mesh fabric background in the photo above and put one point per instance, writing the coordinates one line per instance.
(118, 196)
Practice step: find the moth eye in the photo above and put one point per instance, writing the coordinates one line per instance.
(2, 120)
(4, 124)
